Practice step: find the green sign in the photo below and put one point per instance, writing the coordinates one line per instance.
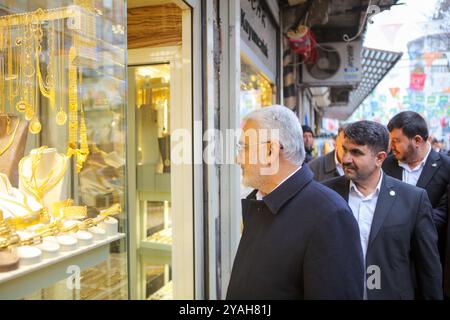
(406, 100)
(443, 99)
(420, 98)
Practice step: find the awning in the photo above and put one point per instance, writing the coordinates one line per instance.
(375, 64)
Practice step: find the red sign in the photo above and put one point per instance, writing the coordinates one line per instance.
(417, 81)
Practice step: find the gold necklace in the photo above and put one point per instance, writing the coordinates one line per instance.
(73, 98)
(29, 111)
(35, 125)
(22, 104)
(50, 77)
(31, 218)
(2, 74)
(45, 87)
(16, 65)
(22, 204)
(31, 184)
(28, 70)
(11, 140)
(6, 183)
(10, 76)
(28, 38)
(61, 116)
(84, 147)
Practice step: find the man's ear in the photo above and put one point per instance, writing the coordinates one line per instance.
(273, 159)
(418, 139)
(381, 156)
(274, 151)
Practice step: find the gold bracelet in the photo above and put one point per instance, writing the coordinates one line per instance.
(88, 223)
(5, 231)
(32, 241)
(58, 205)
(74, 212)
(56, 226)
(22, 222)
(10, 241)
(113, 210)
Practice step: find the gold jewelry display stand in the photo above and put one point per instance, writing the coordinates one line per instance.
(42, 175)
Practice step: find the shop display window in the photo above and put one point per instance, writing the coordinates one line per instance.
(256, 89)
(63, 214)
(152, 99)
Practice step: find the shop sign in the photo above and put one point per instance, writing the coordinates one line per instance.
(420, 98)
(259, 32)
(417, 81)
(431, 99)
(443, 99)
(406, 99)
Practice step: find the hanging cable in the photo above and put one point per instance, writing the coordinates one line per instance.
(371, 9)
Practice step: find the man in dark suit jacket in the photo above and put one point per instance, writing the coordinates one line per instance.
(329, 166)
(308, 141)
(416, 163)
(300, 240)
(398, 235)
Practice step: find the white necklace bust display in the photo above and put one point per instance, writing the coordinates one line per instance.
(43, 175)
(13, 202)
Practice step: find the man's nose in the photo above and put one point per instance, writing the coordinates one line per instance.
(346, 158)
(238, 158)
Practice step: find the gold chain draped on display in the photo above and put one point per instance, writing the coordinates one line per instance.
(21, 222)
(27, 54)
(31, 184)
(13, 135)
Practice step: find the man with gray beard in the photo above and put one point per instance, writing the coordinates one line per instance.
(300, 240)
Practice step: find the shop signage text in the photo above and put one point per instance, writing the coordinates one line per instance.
(259, 33)
(252, 35)
(259, 11)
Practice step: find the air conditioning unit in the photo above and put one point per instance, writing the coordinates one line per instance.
(337, 64)
(340, 96)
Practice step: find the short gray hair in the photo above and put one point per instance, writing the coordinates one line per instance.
(288, 125)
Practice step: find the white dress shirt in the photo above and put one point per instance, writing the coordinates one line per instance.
(363, 209)
(339, 168)
(411, 176)
(260, 196)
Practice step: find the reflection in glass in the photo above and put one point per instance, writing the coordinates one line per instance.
(152, 90)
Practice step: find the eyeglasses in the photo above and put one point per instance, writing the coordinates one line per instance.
(241, 146)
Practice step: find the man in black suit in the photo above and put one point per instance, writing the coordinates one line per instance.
(308, 141)
(300, 240)
(415, 162)
(398, 236)
(329, 166)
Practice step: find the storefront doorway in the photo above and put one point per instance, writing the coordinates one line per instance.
(160, 103)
